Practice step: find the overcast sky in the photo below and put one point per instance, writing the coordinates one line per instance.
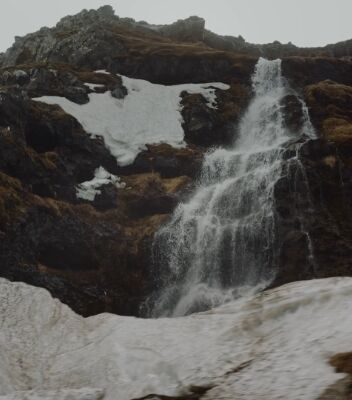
(303, 22)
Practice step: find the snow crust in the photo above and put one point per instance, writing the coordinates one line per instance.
(89, 189)
(275, 345)
(149, 114)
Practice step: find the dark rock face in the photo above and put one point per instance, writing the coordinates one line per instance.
(305, 71)
(293, 113)
(93, 256)
(210, 126)
(74, 253)
(314, 213)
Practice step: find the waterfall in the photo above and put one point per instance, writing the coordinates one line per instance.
(220, 243)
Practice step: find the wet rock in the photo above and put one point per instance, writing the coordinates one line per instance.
(313, 214)
(293, 112)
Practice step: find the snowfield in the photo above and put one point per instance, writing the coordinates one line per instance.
(274, 345)
(149, 114)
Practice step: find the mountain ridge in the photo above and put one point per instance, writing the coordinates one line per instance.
(191, 29)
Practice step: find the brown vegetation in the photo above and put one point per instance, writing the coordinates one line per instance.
(330, 106)
(342, 389)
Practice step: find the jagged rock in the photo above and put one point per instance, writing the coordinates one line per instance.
(97, 39)
(92, 39)
(57, 83)
(104, 14)
(36, 80)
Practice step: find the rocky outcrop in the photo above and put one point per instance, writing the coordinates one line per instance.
(207, 126)
(318, 185)
(314, 214)
(97, 38)
(330, 105)
(182, 52)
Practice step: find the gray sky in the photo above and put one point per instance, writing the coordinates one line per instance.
(303, 22)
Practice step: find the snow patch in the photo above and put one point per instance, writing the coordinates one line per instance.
(149, 114)
(93, 86)
(102, 71)
(89, 189)
(274, 345)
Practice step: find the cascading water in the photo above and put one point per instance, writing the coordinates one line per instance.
(221, 243)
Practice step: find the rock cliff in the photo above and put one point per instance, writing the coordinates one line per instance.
(96, 255)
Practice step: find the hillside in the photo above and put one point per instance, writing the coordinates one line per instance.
(96, 153)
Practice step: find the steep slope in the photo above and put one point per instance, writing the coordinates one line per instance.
(94, 252)
(96, 255)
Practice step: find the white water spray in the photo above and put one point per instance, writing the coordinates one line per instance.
(221, 243)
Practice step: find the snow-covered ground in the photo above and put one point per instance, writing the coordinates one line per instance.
(149, 114)
(274, 345)
(89, 189)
